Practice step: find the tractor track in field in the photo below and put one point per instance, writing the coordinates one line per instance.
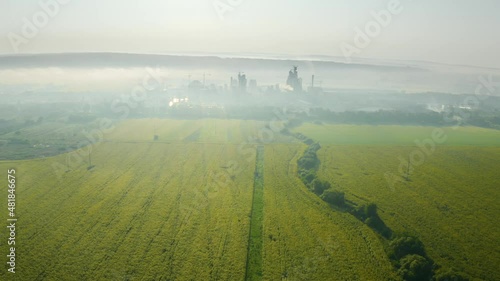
(255, 240)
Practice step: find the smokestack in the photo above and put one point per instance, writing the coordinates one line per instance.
(312, 82)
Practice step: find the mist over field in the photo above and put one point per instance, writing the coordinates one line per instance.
(97, 71)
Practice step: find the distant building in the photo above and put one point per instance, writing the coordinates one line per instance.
(293, 80)
(233, 85)
(242, 82)
(239, 86)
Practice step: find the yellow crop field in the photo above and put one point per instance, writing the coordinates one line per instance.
(397, 135)
(208, 200)
(197, 131)
(450, 202)
(304, 239)
(149, 211)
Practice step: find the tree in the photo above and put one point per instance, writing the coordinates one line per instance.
(415, 268)
(334, 197)
(319, 186)
(307, 176)
(405, 245)
(450, 275)
(366, 211)
(307, 162)
(371, 210)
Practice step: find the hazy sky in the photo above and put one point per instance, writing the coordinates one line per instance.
(448, 31)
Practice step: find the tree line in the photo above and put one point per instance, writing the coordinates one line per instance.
(405, 251)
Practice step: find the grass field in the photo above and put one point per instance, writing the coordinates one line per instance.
(194, 131)
(451, 201)
(397, 135)
(180, 207)
(304, 239)
(42, 140)
(146, 211)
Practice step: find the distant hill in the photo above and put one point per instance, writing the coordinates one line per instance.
(130, 60)
(330, 72)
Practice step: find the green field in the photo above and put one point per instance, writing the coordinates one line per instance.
(42, 140)
(180, 207)
(193, 131)
(304, 239)
(397, 135)
(145, 211)
(451, 200)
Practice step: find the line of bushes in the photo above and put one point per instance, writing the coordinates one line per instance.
(368, 215)
(406, 252)
(309, 164)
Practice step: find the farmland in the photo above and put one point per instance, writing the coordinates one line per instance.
(450, 200)
(205, 200)
(304, 239)
(43, 139)
(194, 131)
(397, 135)
(152, 211)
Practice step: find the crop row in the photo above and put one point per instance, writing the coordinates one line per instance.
(146, 211)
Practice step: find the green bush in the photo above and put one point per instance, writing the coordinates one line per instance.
(365, 212)
(405, 245)
(307, 163)
(450, 275)
(371, 210)
(319, 186)
(334, 197)
(307, 176)
(415, 268)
